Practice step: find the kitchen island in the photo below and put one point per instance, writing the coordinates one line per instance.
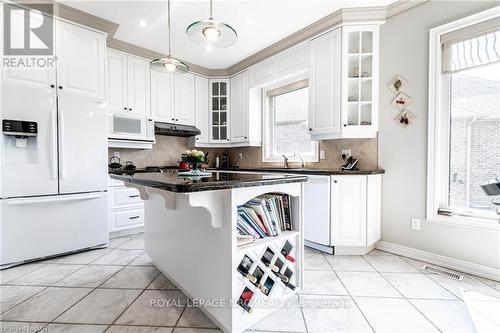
(191, 235)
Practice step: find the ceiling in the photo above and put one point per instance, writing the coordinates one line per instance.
(258, 23)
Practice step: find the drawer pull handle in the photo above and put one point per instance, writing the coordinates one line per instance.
(133, 217)
(134, 196)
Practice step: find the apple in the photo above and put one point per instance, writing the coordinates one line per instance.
(184, 166)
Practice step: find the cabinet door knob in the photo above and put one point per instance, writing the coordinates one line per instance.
(176, 119)
(227, 139)
(124, 108)
(130, 109)
(310, 130)
(173, 119)
(60, 87)
(335, 181)
(52, 86)
(197, 138)
(345, 125)
(245, 137)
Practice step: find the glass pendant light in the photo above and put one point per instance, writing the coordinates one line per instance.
(169, 64)
(211, 32)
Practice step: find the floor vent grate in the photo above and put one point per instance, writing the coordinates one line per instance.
(443, 272)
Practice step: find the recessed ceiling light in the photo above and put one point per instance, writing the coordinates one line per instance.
(142, 23)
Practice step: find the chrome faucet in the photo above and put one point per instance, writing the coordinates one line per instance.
(285, 162)
(301, 159)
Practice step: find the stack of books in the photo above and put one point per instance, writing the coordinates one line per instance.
(265, 216)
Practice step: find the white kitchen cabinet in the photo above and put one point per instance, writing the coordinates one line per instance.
(80, 61)
(360, 81)
(117, 101)
(125, 207)
(348, 211)
(373, 208)
(239, 107)
(184, 98)
(219, 93)
(162, 97)
(201, 109)
(138, 82)
(343, 83)
(173, 97)
(129, 91)
(324, 86)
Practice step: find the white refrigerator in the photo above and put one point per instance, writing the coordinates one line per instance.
(53, 182)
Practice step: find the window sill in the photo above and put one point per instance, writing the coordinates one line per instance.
(470, 222)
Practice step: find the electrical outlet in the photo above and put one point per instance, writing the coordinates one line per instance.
(116, 154)
(345, 153)
(240, 156)
(322, 154)
(415, 223)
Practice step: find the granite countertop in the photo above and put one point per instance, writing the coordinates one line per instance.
(311, 171)
(219, 180)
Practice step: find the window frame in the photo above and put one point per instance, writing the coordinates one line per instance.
(438, 147)
(268, 92)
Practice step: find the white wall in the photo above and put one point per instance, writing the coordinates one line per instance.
(404, 49)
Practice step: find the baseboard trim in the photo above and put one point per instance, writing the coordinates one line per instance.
(437, 259)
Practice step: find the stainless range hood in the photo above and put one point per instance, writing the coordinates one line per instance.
(175, 130)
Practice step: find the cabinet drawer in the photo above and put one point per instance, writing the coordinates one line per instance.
(128, 217)
(126, 196)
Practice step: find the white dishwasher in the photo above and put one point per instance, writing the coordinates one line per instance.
(317, 210)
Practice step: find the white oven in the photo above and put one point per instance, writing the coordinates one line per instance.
(129, 127)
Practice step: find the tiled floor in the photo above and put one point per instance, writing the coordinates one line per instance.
(111, 290)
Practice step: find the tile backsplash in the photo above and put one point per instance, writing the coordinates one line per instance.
(167, 151)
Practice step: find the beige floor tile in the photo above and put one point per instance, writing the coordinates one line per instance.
(316, 262)
(155, 308)
(12, 295)
(89, 276)
(46, 305)
(367, 284)
(15, 326)
(115, 242)
(136, 243)
(9, 274)
(118, 257)
(287, 319)
(162, 282)
(417, 286)
(390, 263)
(142, 260)
(349, 263)
(132, 277)
(194, 317)
(102, 306)
(448, 316)
(393, 315)
(332, 314)
(82, 258)
(70, 328)
(468, 283)
(322, 283)
(138, 329)
(47, 275)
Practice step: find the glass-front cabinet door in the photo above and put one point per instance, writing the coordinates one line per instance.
(219, 110)
(360, 77)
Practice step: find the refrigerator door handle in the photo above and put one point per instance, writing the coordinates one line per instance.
(62, 169)
(29, 201)
(54, 144)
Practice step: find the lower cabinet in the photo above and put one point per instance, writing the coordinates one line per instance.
(342, 211)
(125, 207)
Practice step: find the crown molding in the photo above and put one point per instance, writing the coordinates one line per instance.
(376, 15)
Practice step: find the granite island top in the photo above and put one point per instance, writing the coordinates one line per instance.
(219, 180)
(310, 171)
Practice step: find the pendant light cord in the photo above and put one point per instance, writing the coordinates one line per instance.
(211, 16)
(168, 23)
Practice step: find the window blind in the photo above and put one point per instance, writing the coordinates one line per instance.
(471, 46)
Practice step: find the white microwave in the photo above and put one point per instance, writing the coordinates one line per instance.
(128, 127)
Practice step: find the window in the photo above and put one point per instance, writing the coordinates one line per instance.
(464, 120)
(287, 131)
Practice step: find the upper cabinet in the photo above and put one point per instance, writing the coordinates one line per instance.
(80, 61)
(128, 84)
(239, 107)
(201, 109)
(219, 110)
(173, 97)
(344, 83)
